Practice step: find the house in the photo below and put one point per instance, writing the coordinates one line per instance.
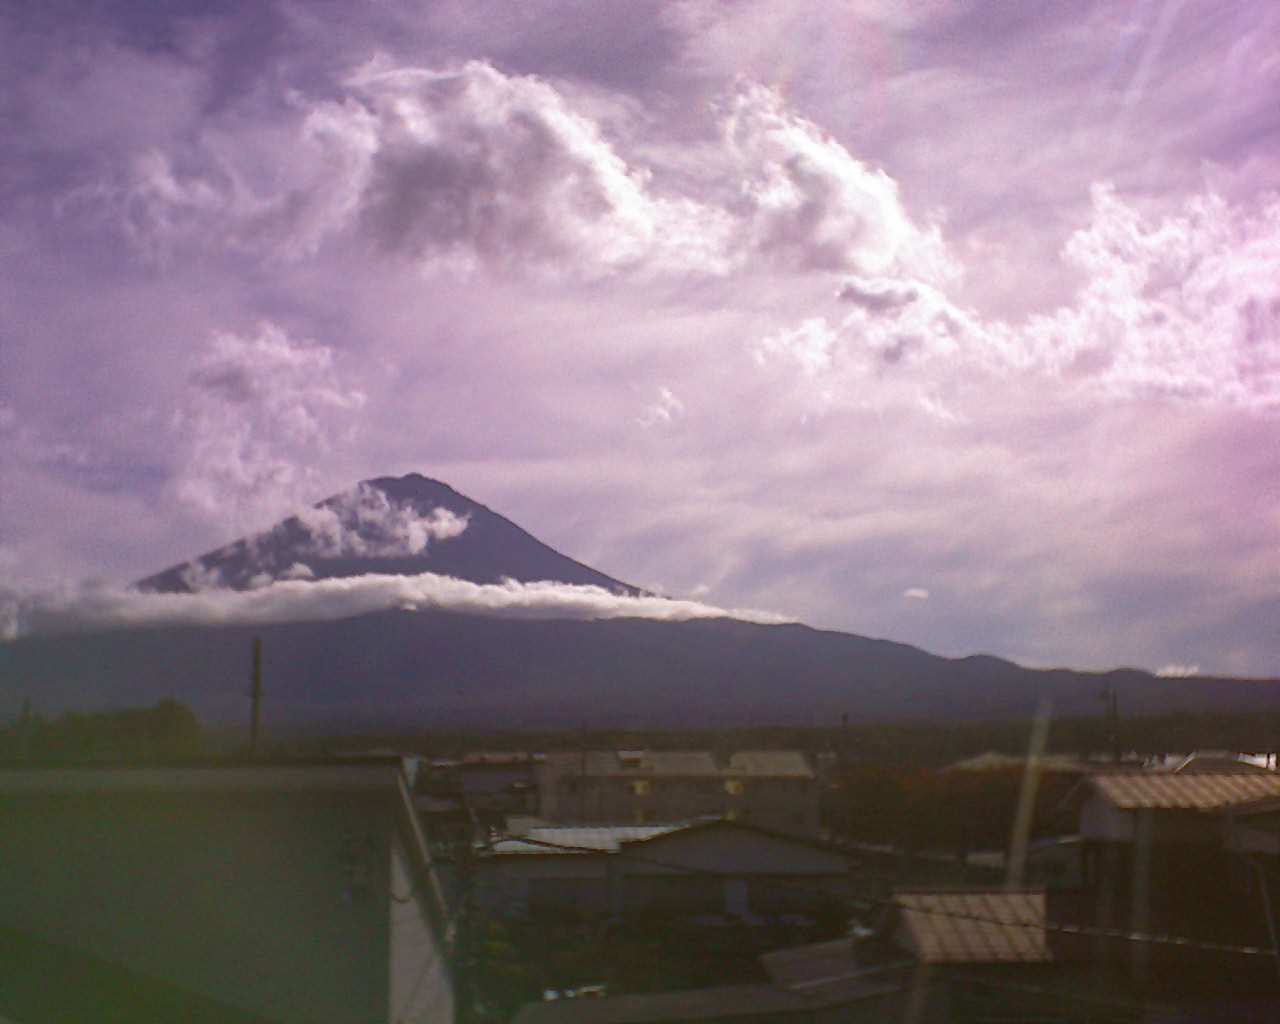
(935, 957)
(282, 892)
(1186, 856)
(776, 789)
(712, 866)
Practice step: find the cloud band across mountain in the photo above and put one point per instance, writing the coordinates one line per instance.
(94, 609)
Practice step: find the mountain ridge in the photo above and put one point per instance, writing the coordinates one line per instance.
(446, 668)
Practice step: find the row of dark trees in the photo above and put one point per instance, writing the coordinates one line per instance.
(166, 731)
(924, 809)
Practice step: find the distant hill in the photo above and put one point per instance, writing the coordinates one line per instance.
(414, 668)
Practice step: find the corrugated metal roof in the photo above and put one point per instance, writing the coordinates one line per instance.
(974, 927)
(1190, 792)
(584, 839)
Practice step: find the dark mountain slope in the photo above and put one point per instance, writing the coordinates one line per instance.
(437, 669)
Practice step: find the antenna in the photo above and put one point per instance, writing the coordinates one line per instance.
(256, 694)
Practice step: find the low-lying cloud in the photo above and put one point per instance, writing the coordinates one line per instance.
(1175, 671)
(94, 609)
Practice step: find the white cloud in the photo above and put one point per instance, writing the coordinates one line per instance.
(1183, 307)
(366, 524)
(298, 571)
(98, 608)
(453, 168)
(259, 410)
(464, 167)
(916, 594)
(811, 345)
(1174, 671)
(666, 410)
(808, 203)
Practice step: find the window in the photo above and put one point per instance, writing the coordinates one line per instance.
(640, 787)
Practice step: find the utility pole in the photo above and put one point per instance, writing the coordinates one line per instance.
(1113, 721)
(255, 694)
(582, 776)
(1113, 712)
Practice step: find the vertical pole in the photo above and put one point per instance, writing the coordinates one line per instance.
(582, 778)
(256, 694)
(1113, 713)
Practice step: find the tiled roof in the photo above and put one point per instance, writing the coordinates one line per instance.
(974, 927)
(1209, 792)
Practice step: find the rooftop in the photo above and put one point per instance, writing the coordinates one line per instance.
(1185, 791)
(540, 840)
(973, 927)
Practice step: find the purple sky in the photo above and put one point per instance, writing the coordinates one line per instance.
(954, 323)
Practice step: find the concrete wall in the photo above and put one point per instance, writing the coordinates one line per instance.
(272, 902)
(421, 985)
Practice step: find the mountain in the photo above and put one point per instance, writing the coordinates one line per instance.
(415, 668)
(375, 528)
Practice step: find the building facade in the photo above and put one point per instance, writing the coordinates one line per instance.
(775, 789)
